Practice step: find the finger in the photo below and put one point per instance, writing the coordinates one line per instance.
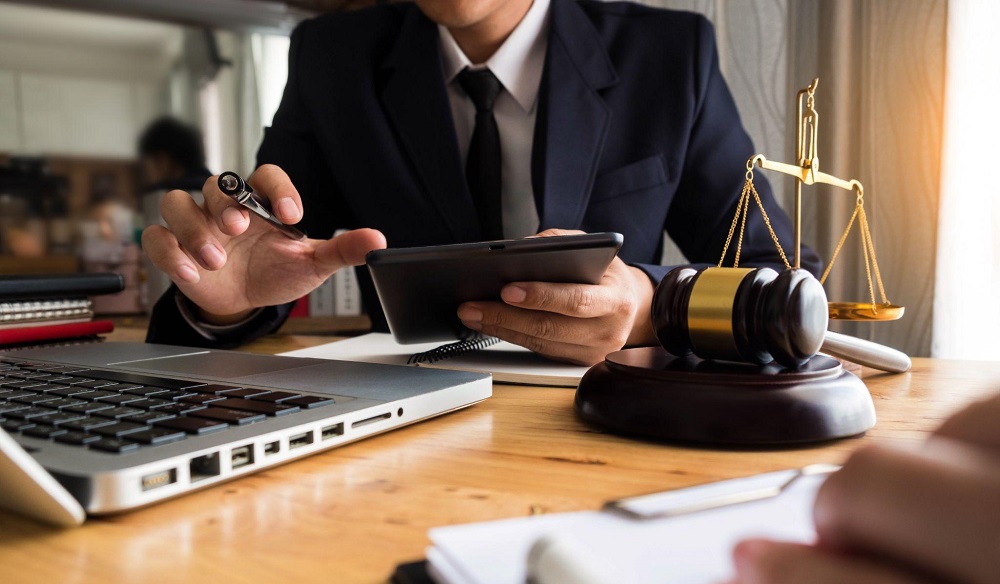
(272, 182)
(769, 562)
(552, 232)
(551, 335)
(230, 217)
(162, 248)
(192, 229)
(576, 300)
(976, 424)
(936, 508)
(347, 249)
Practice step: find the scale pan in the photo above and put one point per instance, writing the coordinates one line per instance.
(864, 311)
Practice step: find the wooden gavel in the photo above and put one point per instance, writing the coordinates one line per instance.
(755, 315)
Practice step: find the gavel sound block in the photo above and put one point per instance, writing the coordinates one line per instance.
(738, 366)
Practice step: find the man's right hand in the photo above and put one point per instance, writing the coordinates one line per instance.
(229, 264)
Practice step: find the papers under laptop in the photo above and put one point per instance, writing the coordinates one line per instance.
(123, 425)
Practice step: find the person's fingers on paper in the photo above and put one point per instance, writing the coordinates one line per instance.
(934, 508)
(192, 229)
(162, 248)
(760, 561)
(976, 424)
(271, 182)
(347, 249)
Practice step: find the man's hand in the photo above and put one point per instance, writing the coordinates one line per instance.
(228, 264)
(893, 516)
(578, 323)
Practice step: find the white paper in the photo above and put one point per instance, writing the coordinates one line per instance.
(689, 549)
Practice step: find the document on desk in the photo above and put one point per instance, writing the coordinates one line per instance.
(683, 536)
(507, 362)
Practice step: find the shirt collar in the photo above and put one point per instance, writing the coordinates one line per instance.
(519, 61)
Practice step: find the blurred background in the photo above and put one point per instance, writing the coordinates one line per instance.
(105, 104)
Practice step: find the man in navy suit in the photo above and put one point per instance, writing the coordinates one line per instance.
(611, 117)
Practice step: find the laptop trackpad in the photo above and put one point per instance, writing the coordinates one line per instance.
(215, 364)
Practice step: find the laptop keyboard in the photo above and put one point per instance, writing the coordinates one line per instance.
(118, 412)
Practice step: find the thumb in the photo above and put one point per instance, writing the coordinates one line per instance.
(347, 249)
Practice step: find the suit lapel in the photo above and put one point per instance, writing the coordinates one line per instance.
(572, 120)
(415, 99)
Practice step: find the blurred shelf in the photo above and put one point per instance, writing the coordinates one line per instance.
(56, 264)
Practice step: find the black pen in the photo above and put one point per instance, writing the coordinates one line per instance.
(233, 185)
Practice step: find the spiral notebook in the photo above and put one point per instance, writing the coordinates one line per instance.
(508, 363)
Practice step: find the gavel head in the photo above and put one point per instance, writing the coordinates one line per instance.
(741, 314)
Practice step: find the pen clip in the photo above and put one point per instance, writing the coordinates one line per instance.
(714, 495)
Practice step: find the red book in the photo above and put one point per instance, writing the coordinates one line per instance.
(300, 308)
(32, 334)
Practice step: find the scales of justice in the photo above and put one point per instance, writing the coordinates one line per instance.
(739, 362)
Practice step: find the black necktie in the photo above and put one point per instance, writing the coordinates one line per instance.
(482, 166)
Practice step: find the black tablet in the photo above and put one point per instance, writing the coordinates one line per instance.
(420, 288)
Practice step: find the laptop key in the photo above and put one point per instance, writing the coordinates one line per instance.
(36, 398)
(309, 401)
(202, 398)
(28, 413)
(78, 438)
(192, 425)
(43, 431)
(94, 383)
(259, 407)
(180, 408)
(118, 429)
(14, 426)
(217, 388)
(275, 396)
(67, 391)
(57, 418)
(65, 402)
(143, 391)
(119, 412)
(147, 417)
(247, 392)
(96, 394)
(140, 379)
(120, 398)
(174, 394)
(12, 407)
(237, 417)
(113, 445)
(88, 424)
(90, 407)
(157, 436)
(150, 403)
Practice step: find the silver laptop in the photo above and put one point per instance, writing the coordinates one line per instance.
(105, 427)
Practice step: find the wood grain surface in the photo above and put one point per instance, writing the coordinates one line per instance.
(351, 514)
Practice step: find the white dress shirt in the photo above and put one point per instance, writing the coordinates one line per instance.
(518, 64)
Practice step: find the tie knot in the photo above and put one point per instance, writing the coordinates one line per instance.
(481, 86)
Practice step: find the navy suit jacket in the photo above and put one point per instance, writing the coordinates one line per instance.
(636, 132)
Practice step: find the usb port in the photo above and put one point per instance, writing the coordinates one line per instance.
(332, 431)
(205, 466)
(272, 448)
(159, 479)
(300, 440)
(242, 456)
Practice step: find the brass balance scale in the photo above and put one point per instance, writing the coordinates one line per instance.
(652, 393)
(807, 172)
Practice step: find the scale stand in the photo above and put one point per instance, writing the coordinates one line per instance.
(648, 392)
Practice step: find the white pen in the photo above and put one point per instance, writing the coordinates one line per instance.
(233, 185)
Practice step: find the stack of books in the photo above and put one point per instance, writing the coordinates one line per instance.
(45, 309)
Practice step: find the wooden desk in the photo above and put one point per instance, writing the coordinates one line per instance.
(351, 514)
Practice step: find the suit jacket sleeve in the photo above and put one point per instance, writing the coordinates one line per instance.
(712, 179)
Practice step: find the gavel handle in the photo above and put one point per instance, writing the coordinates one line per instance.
(865, 353)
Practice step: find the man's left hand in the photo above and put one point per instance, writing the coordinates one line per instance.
(578, 323)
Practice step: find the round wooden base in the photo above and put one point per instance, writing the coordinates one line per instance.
(650, 393)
